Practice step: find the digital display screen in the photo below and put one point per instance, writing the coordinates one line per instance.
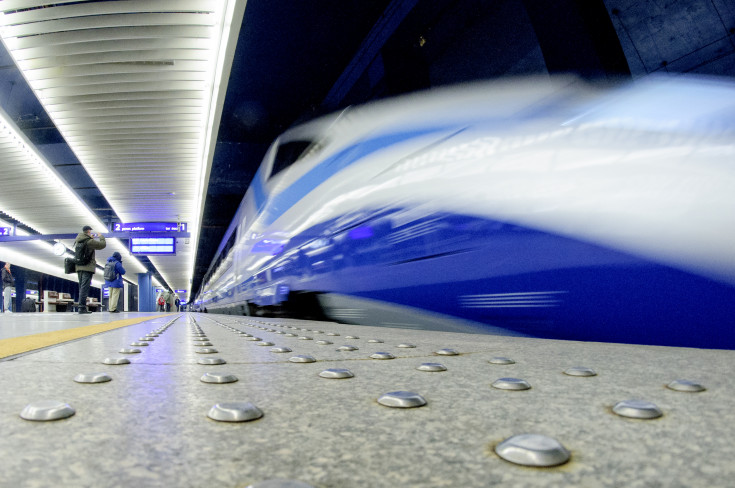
(149, 227)
(153, 245)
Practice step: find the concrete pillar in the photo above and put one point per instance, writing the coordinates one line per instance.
(146, 293)
(20, 286)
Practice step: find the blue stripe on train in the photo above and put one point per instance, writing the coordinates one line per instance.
(509, 276)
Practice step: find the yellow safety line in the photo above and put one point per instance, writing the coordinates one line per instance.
(23, 344)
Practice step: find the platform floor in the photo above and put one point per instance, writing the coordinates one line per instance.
(149, 425)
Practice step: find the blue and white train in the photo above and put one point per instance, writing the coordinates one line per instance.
(537, 207)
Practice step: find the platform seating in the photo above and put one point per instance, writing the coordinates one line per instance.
(94, 305)
(52, 303)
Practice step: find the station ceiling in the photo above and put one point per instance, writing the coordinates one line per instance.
(126, 102)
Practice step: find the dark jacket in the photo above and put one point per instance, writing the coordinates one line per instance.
(117, 282)
(92, 244)
(8, 278)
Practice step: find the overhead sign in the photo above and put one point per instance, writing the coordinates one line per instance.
(150, 227)
(153, 245)
(180, 291)
(105, 292)
(5, 231)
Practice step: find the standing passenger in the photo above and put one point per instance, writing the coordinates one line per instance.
(167, 300)
(8, 281)
(160, 303)
(117, 284)
(87, 270)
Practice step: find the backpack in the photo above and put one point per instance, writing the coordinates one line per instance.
(28, 305)
(110, 274)
(82, 253)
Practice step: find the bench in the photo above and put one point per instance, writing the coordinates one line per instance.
(93, 304)
(52, 302)
(69, 302)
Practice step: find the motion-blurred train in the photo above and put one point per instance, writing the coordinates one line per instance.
(537, 207)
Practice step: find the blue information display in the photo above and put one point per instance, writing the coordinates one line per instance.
(5, 231)
(153, 245)
(181, 292)
(149, 227)
(105, 292)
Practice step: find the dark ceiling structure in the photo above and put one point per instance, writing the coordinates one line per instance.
(298, 60)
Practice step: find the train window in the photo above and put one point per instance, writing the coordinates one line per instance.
(288, 153)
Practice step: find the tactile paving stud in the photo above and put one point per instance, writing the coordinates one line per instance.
(280, 483)
(305, 338)
(533, 450)
(402, 399)
(265, 343)
(637, 409)
(92, 378)
(281, 349)
(511, 384)
(336, 373)
(129, 351)
(375, 341)
(686, 386)
(406, 346)
(351, 337)
(116, 361)
(146, 338)
(447, 352)
(347, 348)
(431, 367)
(333, 334)
(580, 371)
(218, 378)
(501, 360)
(324, 343)
(251, 338)
(209, 361)
(45, 410)
(139, 344)
(279, 332)
(382, 355)
(318, 331)
(234, 412)
(289, 335)
(206, 350)
(302, 359)
(205, 343)
(244, 334)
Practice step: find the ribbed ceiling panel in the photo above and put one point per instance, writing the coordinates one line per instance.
(129, 84)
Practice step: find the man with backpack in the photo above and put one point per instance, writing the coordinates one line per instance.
(113, 280)
(85, 264)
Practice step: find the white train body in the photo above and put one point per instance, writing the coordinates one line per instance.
(538, 207)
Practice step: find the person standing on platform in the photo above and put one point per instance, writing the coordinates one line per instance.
(167, 300)
(8, 281)
(87, 270)
(160, 302)
(117, 284)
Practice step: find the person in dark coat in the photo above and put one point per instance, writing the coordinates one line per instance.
(86, 271)
(8, 281)
(117, 284)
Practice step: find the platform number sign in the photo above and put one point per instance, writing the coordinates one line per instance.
(5, 231)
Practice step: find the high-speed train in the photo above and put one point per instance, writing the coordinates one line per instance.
(538, 207)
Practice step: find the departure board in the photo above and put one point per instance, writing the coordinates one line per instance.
(153, 245)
